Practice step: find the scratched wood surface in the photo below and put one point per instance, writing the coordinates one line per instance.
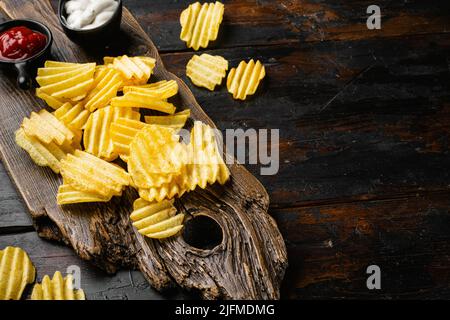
(364, 136)
(247, 261)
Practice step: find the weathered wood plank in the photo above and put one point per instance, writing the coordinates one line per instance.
(409, 239)
(13, 215)
(48, 257)
(357, 120)
(360, 119)
(254, 23)
(103, 233)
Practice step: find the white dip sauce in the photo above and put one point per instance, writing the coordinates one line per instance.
(89, 14)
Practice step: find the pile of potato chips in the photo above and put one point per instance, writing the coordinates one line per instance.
(97, 119)
(199, 25)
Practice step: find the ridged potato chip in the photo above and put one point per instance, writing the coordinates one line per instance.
(57, 288)
(133, 99)
(122, 132)
(88, 173)
(47, 128)
(67, 194)
(206, 70)
(175, 121)
(107, 82)
(67, 84)
(156, 156)
(63, 74)
(50, 71)
(159, 90)
(96, 137)
(78, 133)
(155, 85)
(73, 116)
(51, 101)
(200, 24)
(206, 164)
(134, 70)
(244, 80)
(139, 203)
(44, 155)
(156, 220)
(165, 191)
(52, 64)
(16, 271)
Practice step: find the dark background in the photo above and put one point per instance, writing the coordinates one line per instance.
(364, 143)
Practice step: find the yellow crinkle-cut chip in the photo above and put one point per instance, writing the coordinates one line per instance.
(122, 132)
(204, 165)
(107, 82)
(206, 70)
(205, 161)
(63, 74)
(175, 121)
(165, 191)
(88, 173)
(73, 116)
(156, 220)
(147, 60)
(67, 194)
(66, 84)
(51, 101)
(76, 141)
(52, 64)
(133, 99)
(16, 271)
(57, 288)
(50, 71)
(200, 24)
(47, 128)
(44, 155)
(163, 84)
(96, 137)
(156, 156)
(244, 80)
(134, 70)
(159, 90)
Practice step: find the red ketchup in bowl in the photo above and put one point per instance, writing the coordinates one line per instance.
(19, 43)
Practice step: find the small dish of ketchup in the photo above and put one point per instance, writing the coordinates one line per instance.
(24, 45)
(19, 43)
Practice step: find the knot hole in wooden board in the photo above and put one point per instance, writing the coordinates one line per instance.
(202, 232)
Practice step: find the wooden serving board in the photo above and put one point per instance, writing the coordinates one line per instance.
(249, 262)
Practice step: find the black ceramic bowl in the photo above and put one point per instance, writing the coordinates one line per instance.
(27, 67)
(101, 33)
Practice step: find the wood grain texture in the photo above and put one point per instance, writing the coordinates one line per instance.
(358, 120)
(259, 23)
(252, 253)
(364, 119)
(12, 213)
(408, 238)
(49, 257)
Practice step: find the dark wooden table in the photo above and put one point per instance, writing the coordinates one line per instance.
(364, 119)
